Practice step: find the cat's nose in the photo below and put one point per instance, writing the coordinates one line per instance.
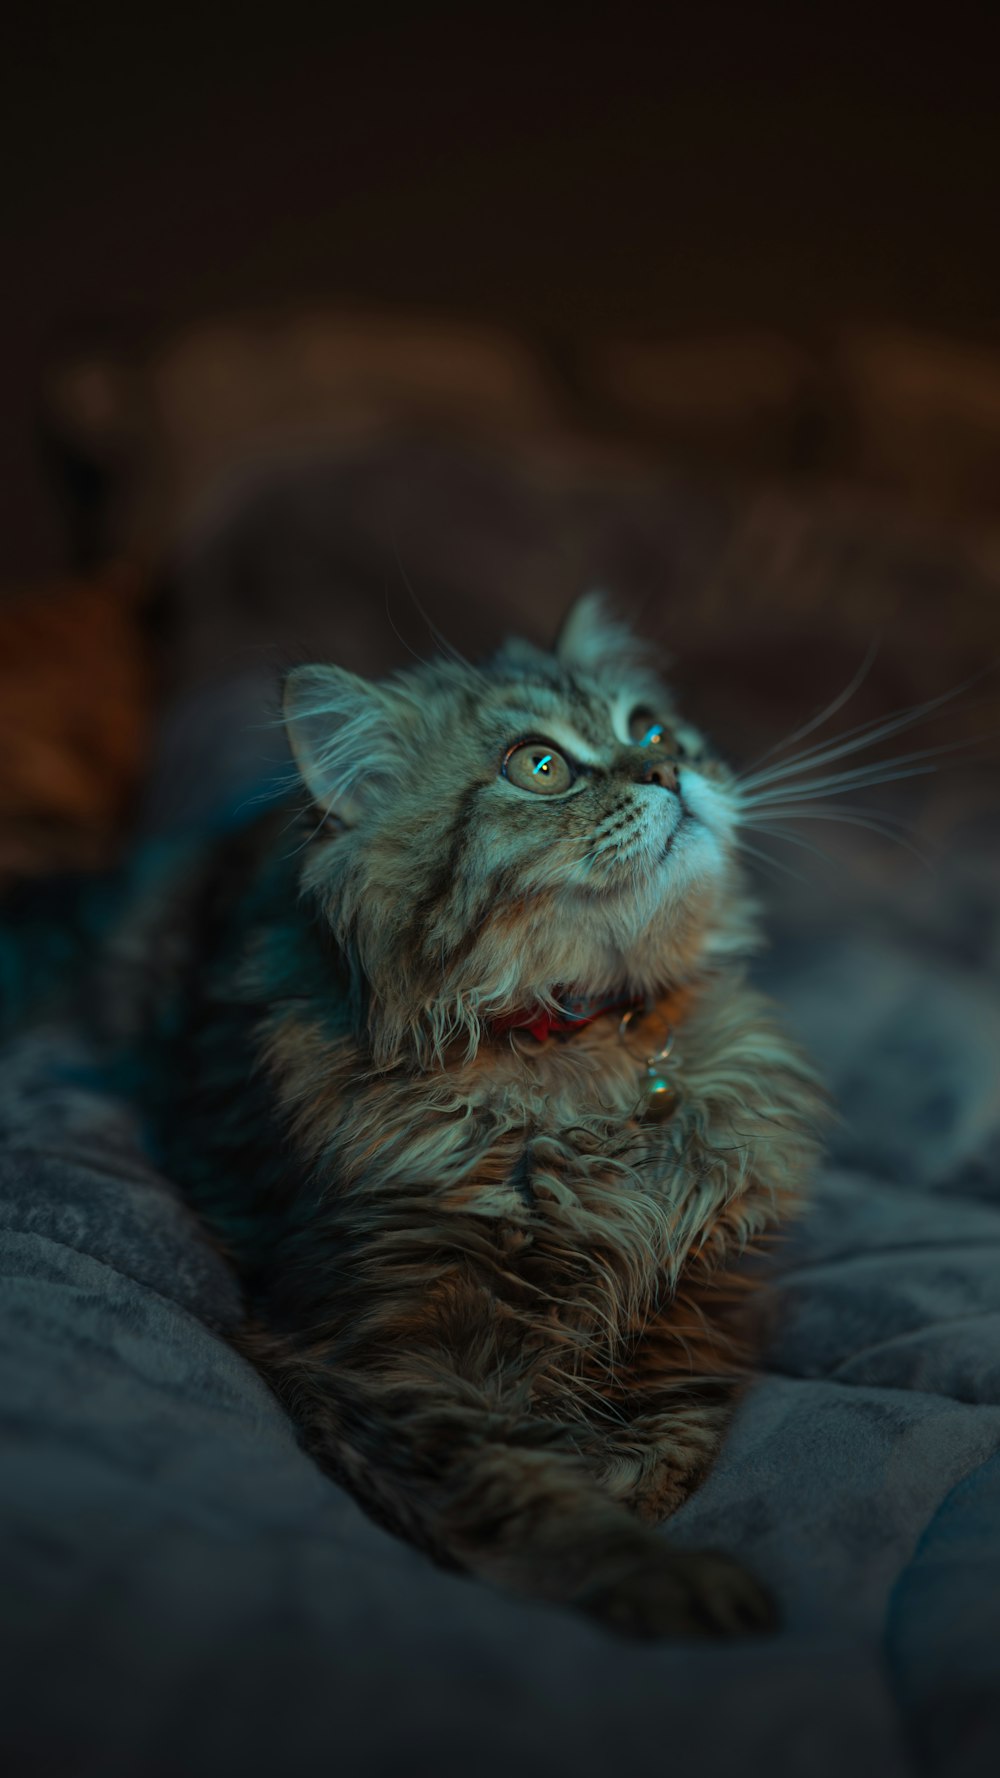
(662, 772)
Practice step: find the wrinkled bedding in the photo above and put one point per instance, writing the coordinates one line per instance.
(181, 1591)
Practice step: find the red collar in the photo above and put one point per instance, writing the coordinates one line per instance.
(572, 1013)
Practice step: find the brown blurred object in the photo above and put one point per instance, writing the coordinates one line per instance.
(910, 418)
(74, 722)
(851, 487)
(769, 508)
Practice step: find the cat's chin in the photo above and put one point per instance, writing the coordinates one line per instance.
(691, 853)
(683, 824)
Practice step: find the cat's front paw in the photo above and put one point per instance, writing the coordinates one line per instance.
(677, 1593)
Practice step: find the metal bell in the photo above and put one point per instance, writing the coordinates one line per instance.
(661, 1098)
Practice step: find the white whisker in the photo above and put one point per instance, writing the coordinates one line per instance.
(397, 632)
(887, 829)
(794, 839)
(864, 735)
(827, 711)
(765, 858)
(861, 778)
(802, 808)
(445, 646)
(855, 776)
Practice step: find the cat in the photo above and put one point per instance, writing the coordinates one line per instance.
(489, 1222)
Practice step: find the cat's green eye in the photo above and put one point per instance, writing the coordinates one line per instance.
(645, 730)
(535, 766)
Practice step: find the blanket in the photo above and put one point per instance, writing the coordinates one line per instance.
(181, 1590)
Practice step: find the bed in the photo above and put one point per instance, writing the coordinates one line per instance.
(182, 1590)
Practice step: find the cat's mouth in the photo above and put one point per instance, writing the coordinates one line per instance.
(685, 821)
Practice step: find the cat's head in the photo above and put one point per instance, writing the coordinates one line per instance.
(488, 836)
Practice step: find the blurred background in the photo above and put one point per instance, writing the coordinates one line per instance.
(326, 329)
(312, 317)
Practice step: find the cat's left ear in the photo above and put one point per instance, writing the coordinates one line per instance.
(594, 640)
(345, 734)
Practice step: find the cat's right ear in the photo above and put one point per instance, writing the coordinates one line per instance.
(343, 736)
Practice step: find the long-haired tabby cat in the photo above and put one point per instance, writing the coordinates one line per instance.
(490, 1228)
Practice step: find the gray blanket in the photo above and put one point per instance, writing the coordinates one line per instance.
(183, 1592)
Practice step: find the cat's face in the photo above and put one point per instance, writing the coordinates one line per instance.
(547, 821)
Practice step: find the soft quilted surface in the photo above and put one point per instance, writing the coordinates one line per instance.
(184, 1593)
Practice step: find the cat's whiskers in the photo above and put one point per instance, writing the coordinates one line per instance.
(791, 839)
(827, 711)
(397, 632)
(770, 863)
(791, 792)
(915, 764)
(885, 826)
(445, 646)
(787, 792)
(854, 740)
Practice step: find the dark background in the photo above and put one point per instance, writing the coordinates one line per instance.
(573, 173)
(789, 216)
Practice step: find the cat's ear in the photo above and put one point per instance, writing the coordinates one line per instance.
(593, 640)
(344, 736)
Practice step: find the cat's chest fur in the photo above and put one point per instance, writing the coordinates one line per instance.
(525, 1153)
(538, 1151)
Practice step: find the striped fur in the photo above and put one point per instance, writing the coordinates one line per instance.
(501, 1305)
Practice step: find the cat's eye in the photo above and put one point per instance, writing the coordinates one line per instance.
(535, 766)
(645, 730)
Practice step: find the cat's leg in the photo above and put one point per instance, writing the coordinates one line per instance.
(535, 1523)
(454, 1459)
(663, 1457)
(670, 1399)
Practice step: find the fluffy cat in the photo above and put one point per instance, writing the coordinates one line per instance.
(494, 1284)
